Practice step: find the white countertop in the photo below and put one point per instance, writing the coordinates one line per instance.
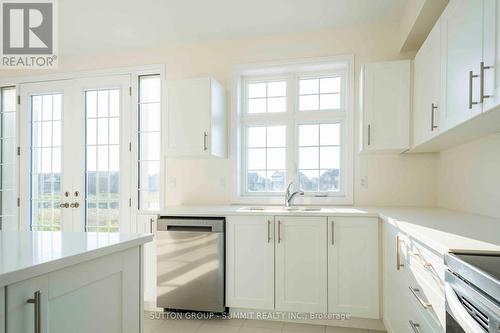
(441, 229)
(26, 254)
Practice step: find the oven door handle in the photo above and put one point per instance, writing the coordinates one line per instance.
(461, 315)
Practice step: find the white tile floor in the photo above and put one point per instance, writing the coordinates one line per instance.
(237, 326)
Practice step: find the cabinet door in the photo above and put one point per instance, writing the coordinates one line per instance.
(301, 256)
(20, 313)
(250, 262)
(189, 117)
(491, 54)
(427, 88)
(386, 106)
(462, 35)
(353, 269)
(146, 223)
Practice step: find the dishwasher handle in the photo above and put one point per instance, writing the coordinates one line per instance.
(190, 224)
(191, 228)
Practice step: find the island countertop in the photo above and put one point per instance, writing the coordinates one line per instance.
(26, 254)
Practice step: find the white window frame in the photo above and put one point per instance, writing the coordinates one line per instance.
(291, 72)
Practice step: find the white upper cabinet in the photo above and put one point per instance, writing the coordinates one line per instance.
(250, 262)
(462, 32)
(491, 54)
(196, 118)
(385, 106)
(427, 88)
(353, 266)
(301, 273)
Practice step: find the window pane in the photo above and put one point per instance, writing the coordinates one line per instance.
(275, 180)
(91, 104)
(308, 86)
(276, 89)
(114, 103)
(329, 101)
(329, 158)
(57, 105)
(308, 103)
(149, 89)
(9, 99)
(308, 180)
(256, 181)
(256, 90)
(276, 158)
(257, 137)
(308, 135)
(276, 104)
(329, 180)
(257, 159)
(276, 136)
(330, 85)
(257, 105)
(102, 103)
(149, 137)
(330, 134)
(308, 158)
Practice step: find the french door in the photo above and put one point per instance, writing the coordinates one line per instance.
(75, 154)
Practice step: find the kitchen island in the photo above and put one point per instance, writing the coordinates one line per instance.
(71, 282)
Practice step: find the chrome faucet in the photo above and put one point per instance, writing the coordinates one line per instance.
(289, 196)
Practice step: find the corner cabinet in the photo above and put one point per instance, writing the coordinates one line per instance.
(196, 118)
(385, 106)
(353, 266)
(288, 263)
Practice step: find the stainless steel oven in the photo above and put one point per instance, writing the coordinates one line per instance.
(472, 290)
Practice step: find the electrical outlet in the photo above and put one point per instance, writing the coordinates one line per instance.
(364, 182)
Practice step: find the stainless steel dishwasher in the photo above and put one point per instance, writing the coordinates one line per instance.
(190, 263)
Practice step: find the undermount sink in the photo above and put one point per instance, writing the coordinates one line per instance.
(284, 209)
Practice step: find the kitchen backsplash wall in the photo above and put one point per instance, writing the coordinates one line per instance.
(469, 177)
(390, 179)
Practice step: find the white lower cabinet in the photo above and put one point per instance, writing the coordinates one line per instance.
(353, 266)
(146, 223)
(250, 262)
(301, 255)
(100, 295)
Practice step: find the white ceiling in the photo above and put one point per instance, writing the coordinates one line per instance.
(97, 26)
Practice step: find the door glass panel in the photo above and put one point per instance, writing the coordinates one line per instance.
(7, 155)
(45, 177)
(103, 159)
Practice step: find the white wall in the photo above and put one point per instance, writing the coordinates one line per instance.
(391, 179)
(469, 177)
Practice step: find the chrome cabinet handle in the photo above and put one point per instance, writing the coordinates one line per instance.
(421, 259)
(369, 134)
(268, 231)
(279, 231)
(333, 232)
(151, 221)
(424, 304)
(414, 326)
(205, 137)
(482, 96)
(36, 301)
(74, 205)
(64, 205)
(471, 77)
(398, 259)
(433, 116)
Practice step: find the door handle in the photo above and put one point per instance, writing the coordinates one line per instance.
(279, 232)
(64, 205)
(482, 96)
(415, 327)
(433, 116)
(74, 205)
(333, 232)
(268, 231)
(36, 301)
(205, 140)
(471, 83)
